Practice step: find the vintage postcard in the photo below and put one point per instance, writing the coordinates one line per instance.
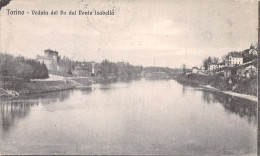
(129, 77)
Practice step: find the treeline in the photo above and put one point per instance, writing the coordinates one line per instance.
(119, 69)
(18, 69)
(105, 68)
(66, 66)
(108, 69)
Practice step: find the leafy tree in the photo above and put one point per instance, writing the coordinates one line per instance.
(18, 68)
(215, 60)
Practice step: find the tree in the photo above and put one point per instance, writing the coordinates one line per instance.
(215, 60)
(183, 68)
(13, 69)
(209, 60)
(223, 58)
(69, 72)
(205, 64)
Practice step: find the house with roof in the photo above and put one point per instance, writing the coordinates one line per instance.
(251, 68)
(234, 59)
(252, 50)
(247, 71)
(50, 59)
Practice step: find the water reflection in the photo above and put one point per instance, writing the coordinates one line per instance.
(55, 96)
(242, 107)
(15, 110)
(47, 98)
(12, 111)
(186, 87)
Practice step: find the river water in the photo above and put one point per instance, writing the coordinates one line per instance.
(136, 117)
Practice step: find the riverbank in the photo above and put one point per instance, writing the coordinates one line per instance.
(58, 84)
(246, 89)
(244, 96)
(45, 86)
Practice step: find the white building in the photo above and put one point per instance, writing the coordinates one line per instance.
(233, 60)
(213, 66)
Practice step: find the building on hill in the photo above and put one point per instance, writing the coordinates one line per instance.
(213, 66)
(195, 70)
(253, 50)
(50, 59)
(221, 65)
(251, 68)
(234, 59)
(216, 66)
(247, 71)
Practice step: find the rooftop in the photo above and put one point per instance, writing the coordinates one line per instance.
(236, 55)
(51, 51)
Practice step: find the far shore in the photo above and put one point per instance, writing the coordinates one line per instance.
(59, 83)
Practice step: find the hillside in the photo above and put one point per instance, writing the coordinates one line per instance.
(247, 86)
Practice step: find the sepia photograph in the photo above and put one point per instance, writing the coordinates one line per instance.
(129, 77)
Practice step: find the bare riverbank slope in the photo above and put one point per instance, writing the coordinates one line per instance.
(55, 83)
(51, 85)
(245, 87)
(45, 86)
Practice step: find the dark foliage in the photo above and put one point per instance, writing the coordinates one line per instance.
(18, 69)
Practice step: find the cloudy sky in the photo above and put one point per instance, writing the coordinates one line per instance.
(155, 32)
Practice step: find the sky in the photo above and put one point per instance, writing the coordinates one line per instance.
(144, 32)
